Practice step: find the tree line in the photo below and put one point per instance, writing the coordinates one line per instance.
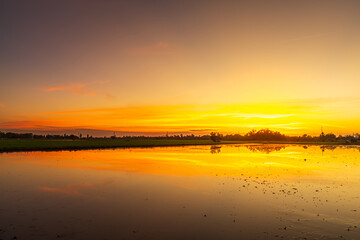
(11, 135)
(253, 135)
(269, 135)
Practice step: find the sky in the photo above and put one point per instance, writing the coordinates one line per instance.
(152, 67)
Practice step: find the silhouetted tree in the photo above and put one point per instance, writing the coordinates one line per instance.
(215, 137)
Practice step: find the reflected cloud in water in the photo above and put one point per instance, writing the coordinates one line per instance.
(75, 189)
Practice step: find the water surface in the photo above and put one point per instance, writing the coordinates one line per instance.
(192, 192)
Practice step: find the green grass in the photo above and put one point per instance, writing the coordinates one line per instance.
(14, 145)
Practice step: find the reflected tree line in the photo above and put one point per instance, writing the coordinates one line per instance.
(215, 149)
(253, 135)
(266, 148)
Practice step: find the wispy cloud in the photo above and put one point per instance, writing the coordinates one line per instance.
(14, 124)
(294, 126)
(326, 100)
(205, 130)
(75, 88)
(307, 37)
(259, 115)
(86, 89)
(160, 48)
(251, 115)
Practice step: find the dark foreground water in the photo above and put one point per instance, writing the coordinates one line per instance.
(232, 192)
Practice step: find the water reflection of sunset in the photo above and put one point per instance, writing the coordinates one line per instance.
(229, 189)
(239, 160)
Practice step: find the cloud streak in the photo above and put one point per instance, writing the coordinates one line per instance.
(251, 115)
(85, 89)
(160, 48)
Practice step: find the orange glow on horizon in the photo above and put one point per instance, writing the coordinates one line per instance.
(295, 118)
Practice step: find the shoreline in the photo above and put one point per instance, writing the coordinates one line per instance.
(31, 145)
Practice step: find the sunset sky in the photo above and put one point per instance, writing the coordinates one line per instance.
(151, 67)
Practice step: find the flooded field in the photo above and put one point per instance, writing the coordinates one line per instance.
(193, 192)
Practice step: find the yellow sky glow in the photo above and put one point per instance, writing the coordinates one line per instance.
(290, 118)
(190, 67)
